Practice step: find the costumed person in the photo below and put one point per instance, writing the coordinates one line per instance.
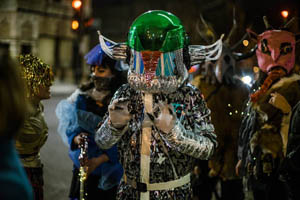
(79, 116)
(290, 167)
(291, 164)
(225, 94)
(14, 183)
(33, 135)
(264, 129)
(159, 121)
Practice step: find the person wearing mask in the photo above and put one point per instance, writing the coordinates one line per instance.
(290, 167)
(79, 116)
(264, 128)
(159, 121)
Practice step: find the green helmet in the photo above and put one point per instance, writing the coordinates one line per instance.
(157, 31)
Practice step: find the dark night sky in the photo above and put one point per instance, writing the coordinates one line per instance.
(117, 15)
(255, 9)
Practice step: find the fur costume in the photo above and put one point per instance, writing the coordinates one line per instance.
(272, 121)
(264, 129)
(226, 104)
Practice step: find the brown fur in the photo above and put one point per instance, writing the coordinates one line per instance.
(274, 125)
(226, 126)
(269, 140)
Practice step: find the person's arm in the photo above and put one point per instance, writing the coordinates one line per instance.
(245, 130)
(280, 102)
(109, 155)
(293, 146)
(115, 122)
(199, 142)
(95, 162)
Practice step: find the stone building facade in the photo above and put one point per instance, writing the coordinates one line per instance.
(43, 28)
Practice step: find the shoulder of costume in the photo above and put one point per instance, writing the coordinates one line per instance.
(125, 86)
(191, 87)
(286, 81)
(124, 90)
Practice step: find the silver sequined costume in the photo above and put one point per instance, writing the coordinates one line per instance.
(191, 138)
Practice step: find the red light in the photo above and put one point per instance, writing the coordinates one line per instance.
(284, 13)
(193, 69)
(76, 4)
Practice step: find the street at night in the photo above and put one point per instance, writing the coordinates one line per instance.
(155, 99)
(57, 164)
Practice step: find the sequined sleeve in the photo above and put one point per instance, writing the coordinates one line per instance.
(194, 134)
(106, 136)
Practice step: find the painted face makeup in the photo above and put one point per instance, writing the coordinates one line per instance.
(276, 48)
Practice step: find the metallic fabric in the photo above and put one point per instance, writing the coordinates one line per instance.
(32, 137)
(170, 74)
(187, 142)
(36, 73)
(105, 141)
(194, 138)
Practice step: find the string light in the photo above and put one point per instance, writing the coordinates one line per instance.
(245, 43)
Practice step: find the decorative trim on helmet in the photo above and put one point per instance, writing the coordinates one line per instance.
(165, 80)
(203, 53)
(170, 73)
(117, 51)
(107, 49)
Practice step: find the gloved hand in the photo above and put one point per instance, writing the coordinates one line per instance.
(278, 101)
(118, 113)
(164, 117)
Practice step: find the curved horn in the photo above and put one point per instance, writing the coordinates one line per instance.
(268, 26)
(234, 27)
(289, 22)
(202, 35)
(242, 56)
(207, 32)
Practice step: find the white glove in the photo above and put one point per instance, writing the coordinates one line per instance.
(278, 101)
(118, 113)
(166, 118)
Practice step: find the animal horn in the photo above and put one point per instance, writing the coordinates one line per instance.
(234, 27)
(289, 22)
(266, 22)
(207, 32)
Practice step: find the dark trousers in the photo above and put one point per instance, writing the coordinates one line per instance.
(35, 176)
(91, 188)
(268, 189)
(232, 190)
(292, 184)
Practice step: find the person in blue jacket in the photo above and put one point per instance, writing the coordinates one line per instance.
(80, 114)
(14, 184)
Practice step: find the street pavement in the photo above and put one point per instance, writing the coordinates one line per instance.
(54, 154)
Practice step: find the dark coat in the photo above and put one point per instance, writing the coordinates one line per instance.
(291, 164)
(14, 183)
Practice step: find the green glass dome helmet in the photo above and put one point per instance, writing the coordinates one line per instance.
(157, 31)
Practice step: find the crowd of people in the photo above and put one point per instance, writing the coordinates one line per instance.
(138, 128)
